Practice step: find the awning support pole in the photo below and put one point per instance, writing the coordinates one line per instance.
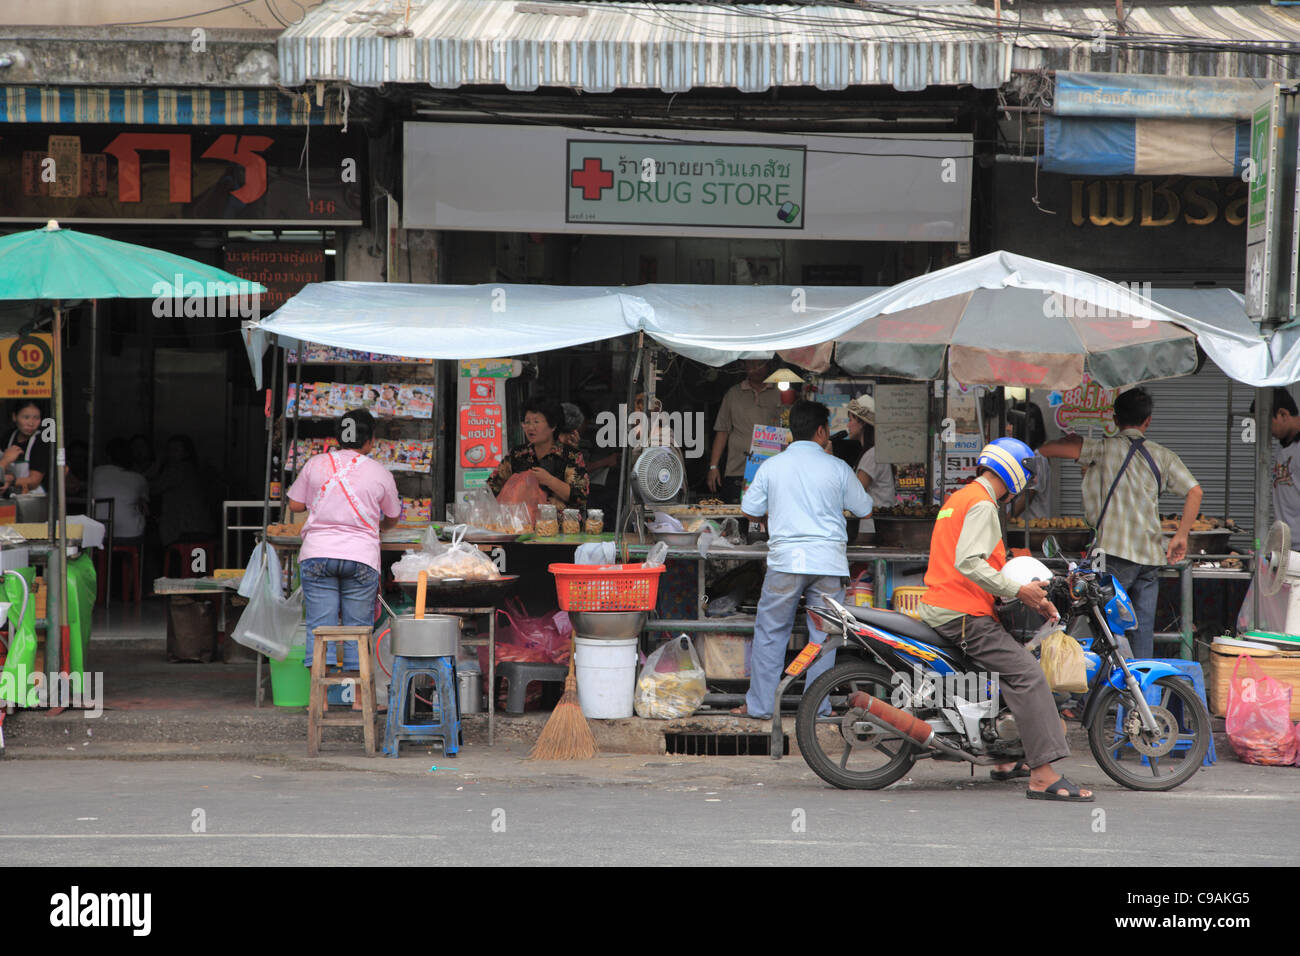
(1263, 486)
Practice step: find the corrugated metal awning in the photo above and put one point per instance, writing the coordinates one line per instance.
(598, 48)
(1237, 40)
(165, 107)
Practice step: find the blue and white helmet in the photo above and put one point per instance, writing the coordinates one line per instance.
(1009, 459)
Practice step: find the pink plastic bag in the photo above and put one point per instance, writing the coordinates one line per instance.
(1259, 717)
(523, 488)
(549, 633)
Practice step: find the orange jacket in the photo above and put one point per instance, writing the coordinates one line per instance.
(948, 587)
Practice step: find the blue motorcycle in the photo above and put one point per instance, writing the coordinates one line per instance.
(903, 692)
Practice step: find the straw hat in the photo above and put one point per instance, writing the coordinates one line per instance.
(863, 408)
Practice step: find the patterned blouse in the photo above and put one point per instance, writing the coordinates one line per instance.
(562, 461)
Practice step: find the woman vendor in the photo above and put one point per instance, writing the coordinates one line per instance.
(877, 478)
(26, 455)
(558, 468)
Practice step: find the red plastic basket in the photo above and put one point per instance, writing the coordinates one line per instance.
(606, 587)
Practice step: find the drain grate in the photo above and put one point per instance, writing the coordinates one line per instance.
(723, 745)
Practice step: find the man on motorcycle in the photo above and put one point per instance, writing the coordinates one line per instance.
(963, 579)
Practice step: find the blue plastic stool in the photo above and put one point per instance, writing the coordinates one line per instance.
(444, 723)
(1193, 672)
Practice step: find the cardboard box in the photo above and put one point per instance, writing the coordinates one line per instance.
(1285, 667)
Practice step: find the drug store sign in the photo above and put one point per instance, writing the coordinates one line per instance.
(673, 184)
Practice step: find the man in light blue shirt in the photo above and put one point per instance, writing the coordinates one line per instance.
(804, 492)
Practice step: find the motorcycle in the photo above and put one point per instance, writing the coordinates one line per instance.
(913, 694)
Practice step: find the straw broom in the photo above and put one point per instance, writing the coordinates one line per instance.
(566, 735)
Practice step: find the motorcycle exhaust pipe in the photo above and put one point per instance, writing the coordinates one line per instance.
(909, 725)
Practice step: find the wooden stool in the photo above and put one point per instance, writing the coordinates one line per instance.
(318, 716)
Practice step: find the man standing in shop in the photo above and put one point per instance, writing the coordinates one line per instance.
(1126, 476)
(746, 404)
(1285, 427)
(803, 492)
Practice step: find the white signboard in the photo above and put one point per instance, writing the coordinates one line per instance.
(672, 182)
(901, 423)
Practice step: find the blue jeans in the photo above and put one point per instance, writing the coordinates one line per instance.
(1142, 583)
(776, 611)
(337, 591)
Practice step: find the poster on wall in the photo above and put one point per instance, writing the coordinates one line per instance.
(26, 364)
(480, 436)
(768, 440)
(902, 421)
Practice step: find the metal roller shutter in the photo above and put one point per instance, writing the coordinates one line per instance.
(1191, 418)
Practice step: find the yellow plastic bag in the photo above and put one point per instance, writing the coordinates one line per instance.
(1063, 663)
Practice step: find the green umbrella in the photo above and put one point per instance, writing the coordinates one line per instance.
(56, 265)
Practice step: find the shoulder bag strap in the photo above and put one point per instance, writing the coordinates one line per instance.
(1132, 450)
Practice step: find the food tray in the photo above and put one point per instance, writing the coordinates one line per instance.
(459, 592)
(1068, 539)
(285, 541)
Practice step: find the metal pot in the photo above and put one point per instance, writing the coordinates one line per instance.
(435, 635)
(470, 686)
(608, 625)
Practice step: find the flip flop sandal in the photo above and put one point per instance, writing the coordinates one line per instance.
(1015, 773)
(746, 714)
(1072, 793)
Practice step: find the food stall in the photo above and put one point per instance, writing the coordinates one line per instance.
(917, 330)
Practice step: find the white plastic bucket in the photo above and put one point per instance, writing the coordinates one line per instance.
(606, 673)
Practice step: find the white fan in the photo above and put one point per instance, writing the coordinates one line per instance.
(658, 474)
(1278, 559)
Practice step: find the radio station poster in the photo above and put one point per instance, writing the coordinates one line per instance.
(26, 366)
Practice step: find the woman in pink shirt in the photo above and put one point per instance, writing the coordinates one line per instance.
(350, 499)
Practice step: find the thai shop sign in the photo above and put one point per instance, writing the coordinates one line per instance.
(674, 184)
(884, 187)
(1085, 407)
(1270, 207)
(26, 364)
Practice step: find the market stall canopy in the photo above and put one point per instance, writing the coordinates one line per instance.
(709, 324)
(1004, 319)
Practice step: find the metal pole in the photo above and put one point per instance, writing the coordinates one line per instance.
(57, 611)
(90, 408)
(266, 483)
(625, 458)
(1263, 487)
(1227, 458)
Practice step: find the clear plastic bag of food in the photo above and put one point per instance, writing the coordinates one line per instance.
(462, 561)
(548, 522)
(671, 684)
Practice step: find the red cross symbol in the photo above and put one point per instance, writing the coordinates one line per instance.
(592, 179)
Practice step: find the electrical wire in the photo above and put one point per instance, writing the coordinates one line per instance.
(185, 16)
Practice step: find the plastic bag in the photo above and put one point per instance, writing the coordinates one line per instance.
(1063, 663)
(1259, 717)
(263, 554)
(550, 633)
(270, 622)
(461, 560)
(523, 488)
(671, 684)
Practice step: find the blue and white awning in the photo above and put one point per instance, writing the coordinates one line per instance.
(166, 107)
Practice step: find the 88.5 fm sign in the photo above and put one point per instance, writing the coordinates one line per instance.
(26, 366)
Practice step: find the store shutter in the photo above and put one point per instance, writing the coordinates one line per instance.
(1191, 418)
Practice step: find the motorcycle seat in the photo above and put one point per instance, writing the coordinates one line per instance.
(904, 625)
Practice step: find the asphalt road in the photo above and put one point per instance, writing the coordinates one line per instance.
(145, 813)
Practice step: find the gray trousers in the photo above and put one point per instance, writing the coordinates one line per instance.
(1021, 680)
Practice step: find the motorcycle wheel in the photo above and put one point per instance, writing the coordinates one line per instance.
(1114, 748)
(868, 762)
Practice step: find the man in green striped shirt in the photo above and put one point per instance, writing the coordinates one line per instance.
(1130, 537)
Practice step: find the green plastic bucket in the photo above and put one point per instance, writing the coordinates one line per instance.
(290, 679)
